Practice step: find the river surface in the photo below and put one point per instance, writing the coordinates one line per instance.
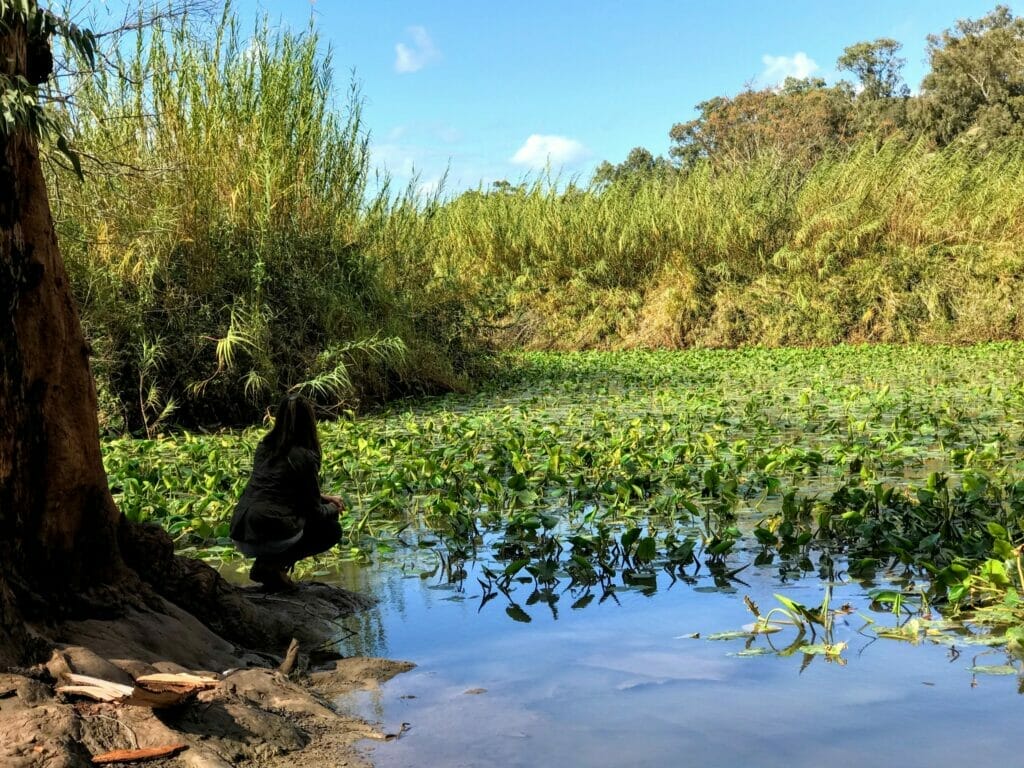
(562, 677)
(539, 671)
(625, 683)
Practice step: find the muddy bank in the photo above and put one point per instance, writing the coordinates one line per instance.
(253, 715)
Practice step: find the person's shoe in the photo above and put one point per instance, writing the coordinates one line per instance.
(273, 579)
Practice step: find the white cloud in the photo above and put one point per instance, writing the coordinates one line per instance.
(540, 151)
(778, 68)
(394, 158)
(430, 187)
(414, 57)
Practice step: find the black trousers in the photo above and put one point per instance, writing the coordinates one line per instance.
(318, 535)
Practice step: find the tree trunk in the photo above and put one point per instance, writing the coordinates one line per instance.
(58, 522)
(66, 553)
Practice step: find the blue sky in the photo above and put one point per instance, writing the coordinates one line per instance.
(494, 90)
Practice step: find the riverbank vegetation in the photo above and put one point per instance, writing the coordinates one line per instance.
(807, 214)
(231, 241)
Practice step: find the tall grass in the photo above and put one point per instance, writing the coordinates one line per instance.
(890, 241)
(226, 246)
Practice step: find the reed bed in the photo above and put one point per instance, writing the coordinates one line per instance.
(890, 241)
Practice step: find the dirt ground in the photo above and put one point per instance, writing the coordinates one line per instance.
(254, 717)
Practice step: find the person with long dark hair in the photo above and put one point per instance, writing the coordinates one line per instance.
(282, 516)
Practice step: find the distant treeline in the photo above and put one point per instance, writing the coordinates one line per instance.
(973, 91)
(230, 243)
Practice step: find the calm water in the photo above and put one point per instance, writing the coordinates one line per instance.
(623, 684)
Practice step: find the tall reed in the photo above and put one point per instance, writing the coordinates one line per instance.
(891, 240)
(226, 246)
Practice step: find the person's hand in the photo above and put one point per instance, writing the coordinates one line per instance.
(335, 500)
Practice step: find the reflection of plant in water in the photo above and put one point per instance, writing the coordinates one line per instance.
(795, 616)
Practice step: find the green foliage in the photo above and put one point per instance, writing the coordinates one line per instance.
(975, 83)
(802, 120)
(880, 108)
(887, 242)
(877, 67)
(608, 471)
(20, 104)
(638, 167)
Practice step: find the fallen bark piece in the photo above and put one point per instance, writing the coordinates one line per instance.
(138, 755)
(290, 657)
(165, 689)
(95, 688)
(181, 682)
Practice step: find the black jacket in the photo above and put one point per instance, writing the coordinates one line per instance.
(282, 494)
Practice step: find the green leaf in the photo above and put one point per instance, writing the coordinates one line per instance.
(516, 566)
(518, 614)
(629, 537)
(996, 531)
(646, 549)
(71, 155)
(734, 635)
(993, 669)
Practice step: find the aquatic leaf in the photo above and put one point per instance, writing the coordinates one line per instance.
(757, 651)
(995, 572)
(734, 635)
(885, 596)
(583, 602)
(996, 531)
(994, 669)
(629, 537)
(824, 649)
(798, 611)
(646, 549)
(1003, 549)
(763, 627)
(967, 640)
(516, 566)
(516, 613)
(766, 537)
(910, 632)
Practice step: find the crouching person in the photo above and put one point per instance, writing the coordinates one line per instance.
(282, 517)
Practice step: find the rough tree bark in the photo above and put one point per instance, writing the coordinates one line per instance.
(58, 522)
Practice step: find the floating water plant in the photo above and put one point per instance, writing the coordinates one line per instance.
(590, 474)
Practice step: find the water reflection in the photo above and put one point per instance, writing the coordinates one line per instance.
(634, 681)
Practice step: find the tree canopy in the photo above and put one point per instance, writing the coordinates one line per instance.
(976, 80)
(802, 119)
(973, 90)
